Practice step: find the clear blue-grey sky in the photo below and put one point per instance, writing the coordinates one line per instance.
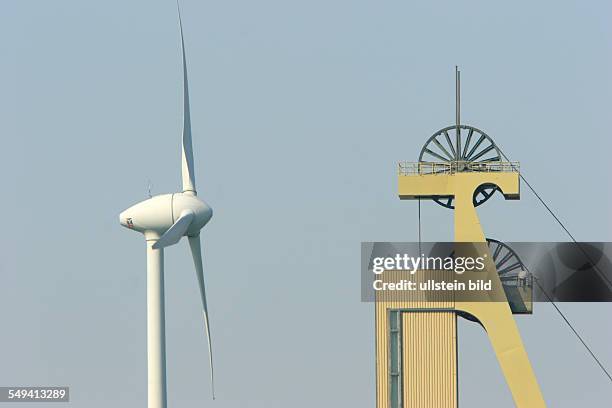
(300, 112)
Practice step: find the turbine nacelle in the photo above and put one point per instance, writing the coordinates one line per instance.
(155, 216)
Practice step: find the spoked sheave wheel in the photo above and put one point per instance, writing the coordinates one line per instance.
(507, 262)
(474, 147)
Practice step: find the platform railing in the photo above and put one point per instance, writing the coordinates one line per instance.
(421, 168)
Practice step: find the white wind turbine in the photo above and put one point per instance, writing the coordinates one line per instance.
(163, 220)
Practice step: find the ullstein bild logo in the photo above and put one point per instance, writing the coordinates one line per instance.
(409, 263)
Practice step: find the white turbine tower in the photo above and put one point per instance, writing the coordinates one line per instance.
(163, 220)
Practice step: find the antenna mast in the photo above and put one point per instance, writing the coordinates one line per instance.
(457, 113)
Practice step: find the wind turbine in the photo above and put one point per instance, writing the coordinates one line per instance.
(164, 220)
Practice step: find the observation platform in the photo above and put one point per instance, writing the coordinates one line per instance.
(435, 168)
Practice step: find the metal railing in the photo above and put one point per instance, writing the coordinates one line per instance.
(420, 168)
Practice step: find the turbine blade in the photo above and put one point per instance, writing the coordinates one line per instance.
(187, 151)
(176, 231)
(196, 252)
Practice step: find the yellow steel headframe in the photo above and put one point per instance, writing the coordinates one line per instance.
(428, 330)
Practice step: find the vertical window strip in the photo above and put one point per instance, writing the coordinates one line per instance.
(395, 359)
